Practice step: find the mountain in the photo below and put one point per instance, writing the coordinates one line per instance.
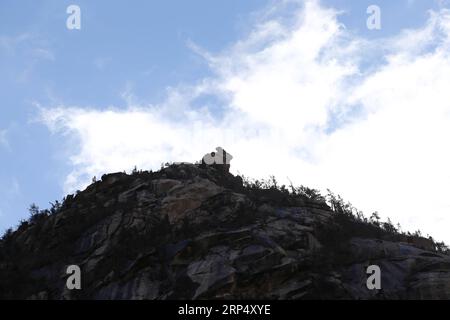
(195, 231)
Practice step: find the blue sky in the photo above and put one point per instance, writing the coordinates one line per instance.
(180, 66)
(120, 46)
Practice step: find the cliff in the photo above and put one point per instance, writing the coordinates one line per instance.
(196, 232)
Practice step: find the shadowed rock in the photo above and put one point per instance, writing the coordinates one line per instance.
(195, 232)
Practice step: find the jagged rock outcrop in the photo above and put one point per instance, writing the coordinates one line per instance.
(195, 232)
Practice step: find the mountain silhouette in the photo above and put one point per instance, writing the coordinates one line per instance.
(195, 231)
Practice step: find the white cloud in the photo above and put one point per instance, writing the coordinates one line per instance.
(30, 45)
(297, 103)
(9, 44)
(44, 54)
(3, 140)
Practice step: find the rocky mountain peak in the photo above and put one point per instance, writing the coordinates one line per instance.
(195, 231)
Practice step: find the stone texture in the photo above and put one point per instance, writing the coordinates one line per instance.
(194, 232)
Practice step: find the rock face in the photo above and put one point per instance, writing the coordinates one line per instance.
(195, 232)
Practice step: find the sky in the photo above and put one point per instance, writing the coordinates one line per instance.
(300, 89)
